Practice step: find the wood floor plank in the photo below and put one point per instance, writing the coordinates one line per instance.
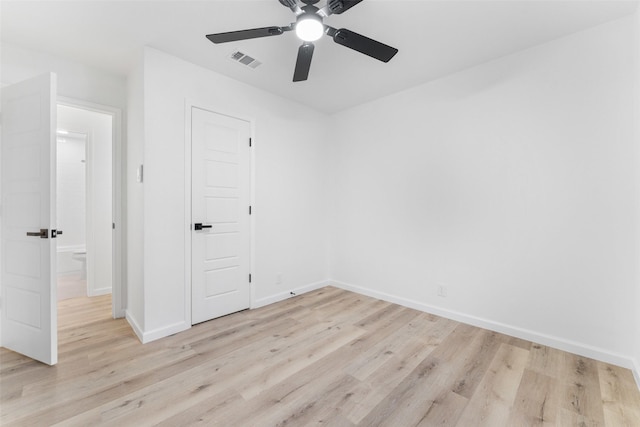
(581, 398)
(376, 387)
(620, 401)
(410, 400)
(490, 405)
(444, 411)
(536, 402)
(328, 357)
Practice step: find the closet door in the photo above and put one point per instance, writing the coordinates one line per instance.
(221, 242)
(29, 310)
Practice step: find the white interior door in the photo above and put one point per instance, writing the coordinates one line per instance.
(29, 311)
(221, 243)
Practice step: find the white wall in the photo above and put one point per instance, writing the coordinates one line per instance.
(71, 191)
(512, 184)
(71, 201)
(75, 80)
(98, 128)
(289, 207)
(135, 197)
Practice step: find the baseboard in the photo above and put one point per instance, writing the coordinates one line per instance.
(164, 331)
(134, 325)
(636, 372)
(99, 292)
(529, 335)
(287, 294)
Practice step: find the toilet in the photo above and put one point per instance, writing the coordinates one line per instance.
(81, 256)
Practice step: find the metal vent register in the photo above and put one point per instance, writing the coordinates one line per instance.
(245, 59)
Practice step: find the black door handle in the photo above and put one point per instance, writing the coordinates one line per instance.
(200, 226)
(43, 233)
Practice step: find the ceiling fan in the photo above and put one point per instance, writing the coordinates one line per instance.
(309, 27)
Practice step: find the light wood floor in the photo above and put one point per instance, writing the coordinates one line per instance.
(328, 357)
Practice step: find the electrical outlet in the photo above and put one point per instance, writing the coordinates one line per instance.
(278, 278)
(442, 290)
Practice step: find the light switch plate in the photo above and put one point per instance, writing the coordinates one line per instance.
(140, 173)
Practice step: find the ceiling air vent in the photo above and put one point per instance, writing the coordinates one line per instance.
(245, 59)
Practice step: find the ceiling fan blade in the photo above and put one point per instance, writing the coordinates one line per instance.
(291, 4)
(341, 6)
(362, 44)
(303, 64)
(254, 33)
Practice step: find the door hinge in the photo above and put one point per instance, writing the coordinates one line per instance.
(250, 142)
(249, 210)
(249, 278)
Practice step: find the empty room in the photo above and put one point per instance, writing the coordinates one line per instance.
(303, 212)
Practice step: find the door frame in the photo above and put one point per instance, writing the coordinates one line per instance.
(118, 285)
(188, 106)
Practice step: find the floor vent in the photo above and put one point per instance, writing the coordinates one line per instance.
(245, 59)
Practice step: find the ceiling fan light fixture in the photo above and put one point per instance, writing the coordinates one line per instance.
(309, 27)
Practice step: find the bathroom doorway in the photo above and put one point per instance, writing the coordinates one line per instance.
(86, 202)
(71, 193)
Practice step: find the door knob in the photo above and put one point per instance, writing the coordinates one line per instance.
(43, 233)
(199, 226)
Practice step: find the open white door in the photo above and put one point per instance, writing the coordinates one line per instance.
(29, 311)
(221, 240)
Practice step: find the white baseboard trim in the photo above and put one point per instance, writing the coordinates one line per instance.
(134, 325)
(164, 331)
(148, 336)
(636, 372)
(529, 335)
(287, 294)
(99, 292)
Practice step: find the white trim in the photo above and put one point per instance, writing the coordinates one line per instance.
(548, 340)
(252, 217)
(118, 305)
(636, 372)
(284, 295)
(164, 331)
(98, 292)
(134, 325)
(72, 248)
(189, 104)
(89, 215)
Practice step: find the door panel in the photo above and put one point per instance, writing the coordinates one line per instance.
(29, 312)
(220, 198)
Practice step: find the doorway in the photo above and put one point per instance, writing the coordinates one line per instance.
(88, 206)
(71, 213)
(29, 224)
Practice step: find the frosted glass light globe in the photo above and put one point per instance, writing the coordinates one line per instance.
(309, 29)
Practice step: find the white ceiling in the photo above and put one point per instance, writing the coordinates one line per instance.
(435, 38)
